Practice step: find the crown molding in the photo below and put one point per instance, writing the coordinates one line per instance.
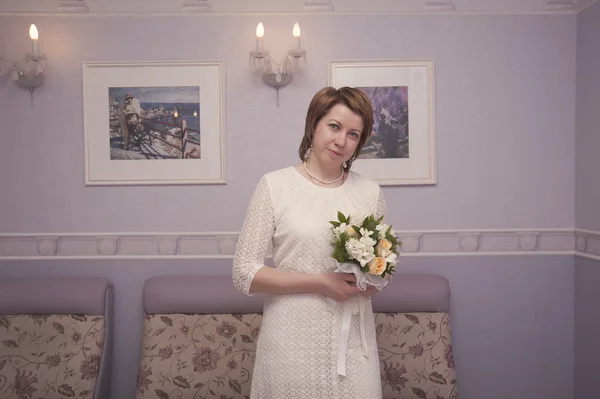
(295, 7)
(221, 245)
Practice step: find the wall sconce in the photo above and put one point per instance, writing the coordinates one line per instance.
(30, 72)
(276, 74)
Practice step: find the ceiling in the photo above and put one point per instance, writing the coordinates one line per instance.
(159, 7)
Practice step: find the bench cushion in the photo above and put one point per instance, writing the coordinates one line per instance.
(50, 356)
(415, 353)
(198, 355)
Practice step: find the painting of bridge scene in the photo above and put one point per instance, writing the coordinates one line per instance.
(154, 122)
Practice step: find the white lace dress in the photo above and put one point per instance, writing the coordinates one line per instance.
(297, 349)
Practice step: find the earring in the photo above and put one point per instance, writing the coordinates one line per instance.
(307, 153)
(345, 165)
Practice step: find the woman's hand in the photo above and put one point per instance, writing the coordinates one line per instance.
(338, 286)
(369, 292)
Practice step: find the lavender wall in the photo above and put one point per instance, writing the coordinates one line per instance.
(505, 90)
(587, 323)
(587, 199)
(587, 163)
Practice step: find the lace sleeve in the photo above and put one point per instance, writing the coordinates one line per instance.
(254, 239)
(380, 206)
(381, 210)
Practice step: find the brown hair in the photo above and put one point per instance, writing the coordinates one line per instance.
(321, 104)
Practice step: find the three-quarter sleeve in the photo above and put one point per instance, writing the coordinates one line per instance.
(381, 210)
(380, 206)
(255, 238)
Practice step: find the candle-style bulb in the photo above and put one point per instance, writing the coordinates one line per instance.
(34, 35)
(260, 30)
(296, 33)
(33, 32)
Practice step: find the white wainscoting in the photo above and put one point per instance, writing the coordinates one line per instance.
(221, 245)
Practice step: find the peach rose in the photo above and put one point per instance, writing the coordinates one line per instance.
(383, 247)
(377, 266)
(351, 232)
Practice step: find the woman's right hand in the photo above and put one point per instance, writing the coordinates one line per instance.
(338, 286)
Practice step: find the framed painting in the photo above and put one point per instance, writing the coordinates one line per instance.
(153, 123)
(401, 150)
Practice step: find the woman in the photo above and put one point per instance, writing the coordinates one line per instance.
(298, 346)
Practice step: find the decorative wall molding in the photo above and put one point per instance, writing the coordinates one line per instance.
(329, 7)
(196, 6)
(587, 243)
(440, 6)
(221, 245)
(318, 6)
(72, 6)
(561, 5)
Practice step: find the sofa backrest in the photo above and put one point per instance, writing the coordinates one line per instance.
(414, 338)
(55, 337)
(200, 338)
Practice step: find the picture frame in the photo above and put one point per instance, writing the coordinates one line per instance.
(402, 148)
(154, 123)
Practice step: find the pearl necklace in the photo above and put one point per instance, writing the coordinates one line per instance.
(319, 180)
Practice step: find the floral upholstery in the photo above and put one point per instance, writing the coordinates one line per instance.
(50, 356)
(187, 356)
(198, 356)
(415, 353)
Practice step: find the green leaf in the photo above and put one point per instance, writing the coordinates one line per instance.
(341, 217)
(335, 224)
(357, 229)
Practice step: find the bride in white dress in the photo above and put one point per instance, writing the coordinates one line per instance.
(298, 349)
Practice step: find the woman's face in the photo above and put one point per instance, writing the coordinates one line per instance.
(336, 136)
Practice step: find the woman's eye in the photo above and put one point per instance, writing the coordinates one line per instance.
(334, 126)
(354, 135)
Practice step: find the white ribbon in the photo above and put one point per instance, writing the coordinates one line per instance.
(356, 304)
(351, 306)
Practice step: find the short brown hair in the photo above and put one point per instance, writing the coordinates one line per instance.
(325, 99)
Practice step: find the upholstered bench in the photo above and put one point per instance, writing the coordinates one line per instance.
(55, 337)
(413, 335)
(200, 335)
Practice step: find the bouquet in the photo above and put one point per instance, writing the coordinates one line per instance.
(366, 247)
